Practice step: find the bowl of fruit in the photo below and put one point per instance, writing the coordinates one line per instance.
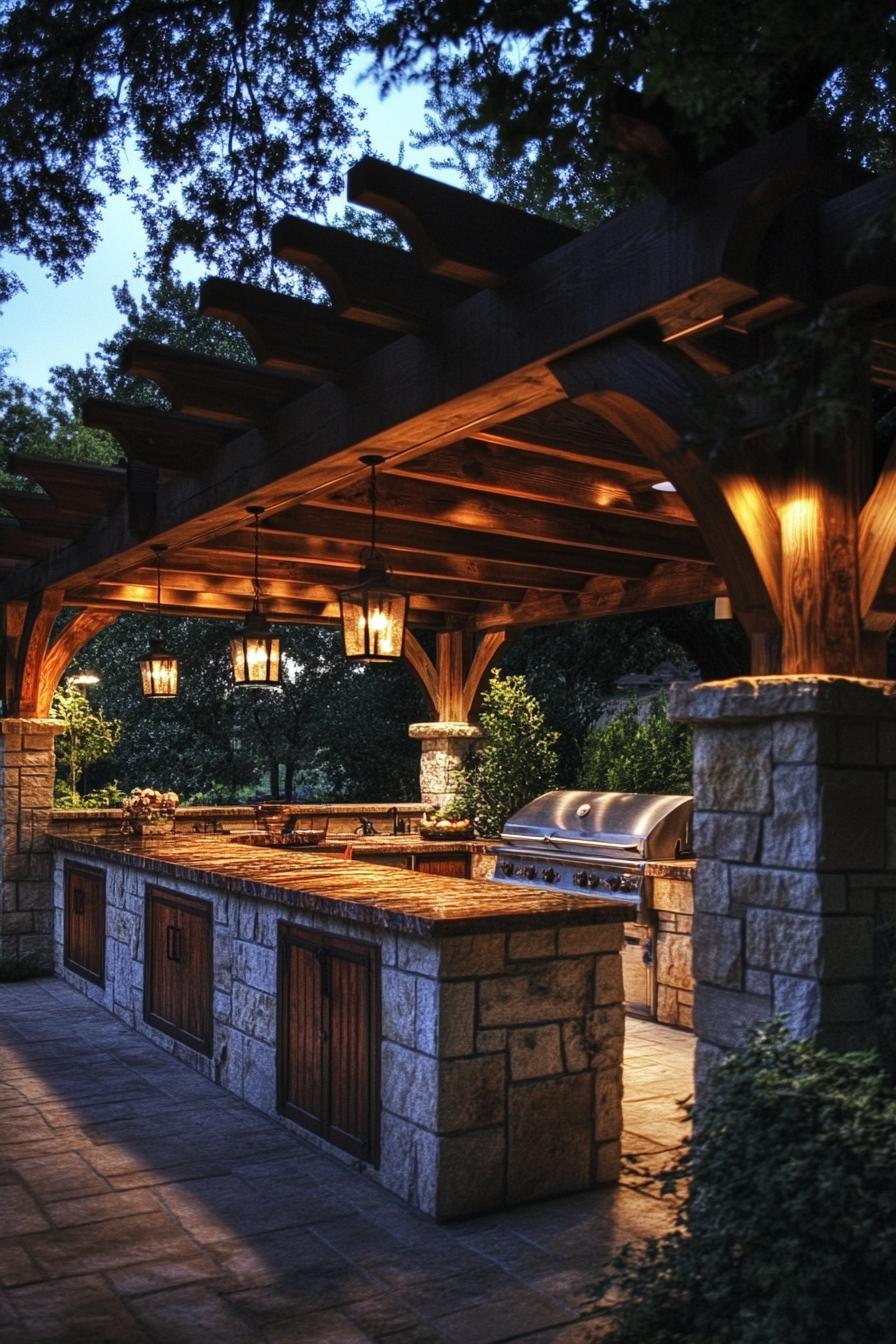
(446, 824)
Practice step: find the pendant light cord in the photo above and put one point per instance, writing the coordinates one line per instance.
(257, 598)
(373, 508)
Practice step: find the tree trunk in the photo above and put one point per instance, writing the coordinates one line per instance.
(288, 775)
(274, 772)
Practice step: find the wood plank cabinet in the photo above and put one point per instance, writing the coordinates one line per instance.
(84, 946)
(443, 865)
(328, 1040)
(177, 989)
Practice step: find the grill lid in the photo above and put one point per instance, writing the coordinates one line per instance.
(612, 825)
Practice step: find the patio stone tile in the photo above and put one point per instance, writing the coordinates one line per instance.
(217, 1208)
(100, 1208)
(81, 1308)
(131, 1280)
(326, 1327)
(301, 1293)
(254, 1261)
(97, 1246)
(20, 1212)
(186, 1315)
(506, 1318)
(16, 1265)
(60, 1176)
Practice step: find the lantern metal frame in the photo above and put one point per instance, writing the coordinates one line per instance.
(373, 614)
(254, 635)
(159, 669)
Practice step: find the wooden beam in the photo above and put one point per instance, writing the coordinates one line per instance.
(83, 486)
(18, 544)
(648, 391)
(290, 334)
(179, 443)
(79, 631)
(497, 469)
(40, 618)
(219, 389)
(180, 593)
(367, 281)
(443, 505)
(407, 534)
(672, 585)
(280, 552)
(38, 514)
(454, 232)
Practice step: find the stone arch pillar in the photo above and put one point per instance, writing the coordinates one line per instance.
(27, 772)
(443, 751)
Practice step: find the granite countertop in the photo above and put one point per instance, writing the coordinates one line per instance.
(399, 844)
(365, 893)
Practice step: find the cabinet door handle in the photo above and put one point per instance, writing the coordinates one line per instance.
(78, 900)
(172, 942)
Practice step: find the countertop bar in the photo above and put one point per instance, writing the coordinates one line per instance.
(371, 894)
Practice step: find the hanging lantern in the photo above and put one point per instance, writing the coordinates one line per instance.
(158, 668)
(373, 614)
(254, 651)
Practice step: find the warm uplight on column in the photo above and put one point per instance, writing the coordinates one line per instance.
(373, 614)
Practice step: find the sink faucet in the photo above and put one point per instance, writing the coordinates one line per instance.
(366, 827)
(397, 821)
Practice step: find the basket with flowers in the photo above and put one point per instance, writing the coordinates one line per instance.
(148, 812)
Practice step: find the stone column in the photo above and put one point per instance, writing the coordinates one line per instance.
(795, 833)
(27, 772)
(443, 750)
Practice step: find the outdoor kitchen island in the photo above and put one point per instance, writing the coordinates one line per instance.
(460, 1040)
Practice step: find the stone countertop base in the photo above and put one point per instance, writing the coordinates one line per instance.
(369, 894)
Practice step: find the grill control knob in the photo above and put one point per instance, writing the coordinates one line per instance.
(580, 878)
(528, 871)
(507, 869)
(629, 884)
(593, 880)
(550, 875)
(613, 883)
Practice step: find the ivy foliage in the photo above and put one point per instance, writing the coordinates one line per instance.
(787, 1230)
(516, 761)
(635, 754)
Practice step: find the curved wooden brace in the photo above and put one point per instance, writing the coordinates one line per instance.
(80, 629)
(221, 389)
(877, 529)
(423, 669)
(483, 661)
(646, 390)
(40, 618)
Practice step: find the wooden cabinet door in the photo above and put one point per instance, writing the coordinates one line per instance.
(177, 994)
(328, 1045)
(443, 865)
(84, 947)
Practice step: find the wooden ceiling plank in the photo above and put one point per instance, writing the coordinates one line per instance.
(573, 433)
(220, 389)
(400, 498)
(454, 232)
(140, 599)
(496, 468)
(292, 335)
(367, 281)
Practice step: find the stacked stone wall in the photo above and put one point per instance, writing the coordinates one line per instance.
(27, 774)
(502, 1052)
(795, 831)
(673, 902)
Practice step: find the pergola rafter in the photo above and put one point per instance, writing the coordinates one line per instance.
(528, 387)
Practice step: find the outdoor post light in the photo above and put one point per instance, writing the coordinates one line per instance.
(373, 614)
(254, 651)
(158, 667)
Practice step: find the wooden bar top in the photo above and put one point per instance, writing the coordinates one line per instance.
(365, 893)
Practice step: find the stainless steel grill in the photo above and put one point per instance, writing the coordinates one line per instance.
(599, 844)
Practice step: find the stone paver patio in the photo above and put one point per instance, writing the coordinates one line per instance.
(138, 1202)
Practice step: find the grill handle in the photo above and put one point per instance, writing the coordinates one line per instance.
(628, 847)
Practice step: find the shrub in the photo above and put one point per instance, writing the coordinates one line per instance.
(516, 761)
(631, 755)
(788, 1234)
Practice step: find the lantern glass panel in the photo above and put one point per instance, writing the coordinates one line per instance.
(256, 659)
(373, 623)
(159, 674)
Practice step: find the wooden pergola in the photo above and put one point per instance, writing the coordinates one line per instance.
(528, 386)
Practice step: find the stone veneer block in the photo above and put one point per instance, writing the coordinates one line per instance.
(550, 1131)
(532, 945)
(535, 1052)
(548, 991)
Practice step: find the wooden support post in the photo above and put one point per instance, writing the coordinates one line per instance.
(40, 618)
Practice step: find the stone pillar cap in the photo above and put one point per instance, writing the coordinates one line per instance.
(745, 698)
(425, 730)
